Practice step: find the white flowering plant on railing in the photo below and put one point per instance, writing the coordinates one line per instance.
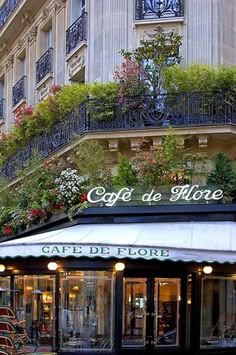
(72, 190)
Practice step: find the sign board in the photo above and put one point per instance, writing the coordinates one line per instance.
(177, 194)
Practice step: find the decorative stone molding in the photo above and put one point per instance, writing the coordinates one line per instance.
(3, 47)
(113, 145)
(134, 143)
(59, 4)
(157, 141)
(203, 141)
(20, 44)
(43, 90)
(25, 18)
(45, 14)
(32, 34)
(76, 64)
(10, 61)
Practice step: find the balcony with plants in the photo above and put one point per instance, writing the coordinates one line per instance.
(57, 191)
(149, 93)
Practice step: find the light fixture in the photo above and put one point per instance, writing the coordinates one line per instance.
(2, 268)
(119, 266)
(207, 269)
(52, 266)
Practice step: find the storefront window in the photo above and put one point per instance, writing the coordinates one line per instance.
(86, 314)
(218, 316)
(5, 291)
(35, 303)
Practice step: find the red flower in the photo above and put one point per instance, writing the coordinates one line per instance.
(55, 88)
(8, 230)
(57, 206)
(83, 198)
(36, 212)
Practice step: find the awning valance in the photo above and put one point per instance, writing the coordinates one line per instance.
(193, 241)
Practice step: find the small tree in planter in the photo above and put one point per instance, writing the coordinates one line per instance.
(152, 58)
(126, 175)
(223, 176)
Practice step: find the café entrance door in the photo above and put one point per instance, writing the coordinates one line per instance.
(151, 308)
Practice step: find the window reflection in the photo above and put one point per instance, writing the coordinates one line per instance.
(218, 316)
(5, 291)
(166, 301)
(86, 310)
(35, 303)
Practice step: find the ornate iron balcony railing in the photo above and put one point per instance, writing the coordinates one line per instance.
(44, 65)
(6, 10)
(152, 9)
(2, 109)
(19, 91)
(76, 33)
(145, 112)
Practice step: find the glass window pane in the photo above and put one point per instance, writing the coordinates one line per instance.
(87, 312)
(5, 291)
(218, 313)
(134, 312)
(166, 303)
(35, 303)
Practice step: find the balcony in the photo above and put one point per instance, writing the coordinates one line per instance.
(155, 9)
(19, 91)
(6, 10)
(44, 65)
(76, 33)
(2, 109)
(134, 115)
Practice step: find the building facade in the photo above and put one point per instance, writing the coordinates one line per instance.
(162, 301)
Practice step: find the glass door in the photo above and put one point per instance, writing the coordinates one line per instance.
(151, 308)
(134, 312)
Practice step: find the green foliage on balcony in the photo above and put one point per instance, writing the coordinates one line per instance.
(199, 77)
(31, 122)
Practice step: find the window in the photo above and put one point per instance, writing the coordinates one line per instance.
(86, 318)
(19, 89)
(44, 64)
(2, 100)
(5, 291)
(35, 303)
(77, 9)
(218, 313)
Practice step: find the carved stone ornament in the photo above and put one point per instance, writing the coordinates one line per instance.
(59, 4)
(151, 33)
(32, 34)
(45, 14)
(10, 61)
(76, 64)
(20, 44)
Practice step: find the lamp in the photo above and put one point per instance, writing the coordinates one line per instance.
(207, 269)
(119, 266)
(52, 266)
(2, 268)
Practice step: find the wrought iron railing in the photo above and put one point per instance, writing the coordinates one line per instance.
(44, 65)
(145, 112)
(2, 109)
(76, 33)
(19, 91)
(6, 10)
(152, 9)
